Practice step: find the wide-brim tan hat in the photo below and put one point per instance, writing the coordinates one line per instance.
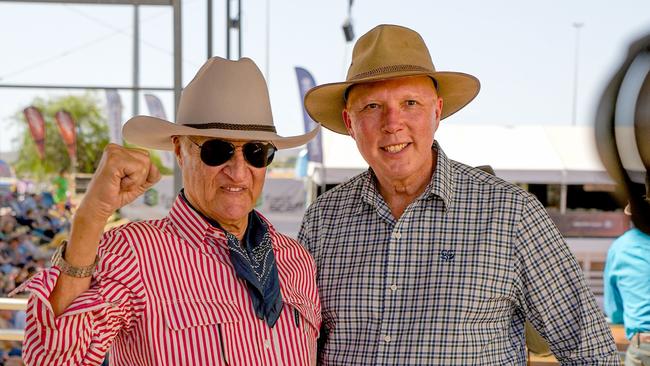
(388, 52)
(226, 99)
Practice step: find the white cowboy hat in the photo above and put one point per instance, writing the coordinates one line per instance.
(388, 52)
(226, 99)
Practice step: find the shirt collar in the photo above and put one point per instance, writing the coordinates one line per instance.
(191, 224)
(195, 227)
(369, 192)
(443, 181)
(441, 184)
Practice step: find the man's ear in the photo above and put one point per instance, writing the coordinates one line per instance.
(348, 122)
(439, 104)
(176, 140)
(438, 112)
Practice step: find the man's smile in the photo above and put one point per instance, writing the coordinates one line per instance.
(395, 148)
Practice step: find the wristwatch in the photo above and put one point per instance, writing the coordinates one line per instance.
(59, 261)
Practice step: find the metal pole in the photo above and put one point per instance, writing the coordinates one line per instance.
(178, 77)
(577, 26)
(563, 192)
(239, 20)
(228, 29)
(83, 87)
(563, 198)
(209, 28)
(323, 183)
(178, 54)
(268, 41)
(136, 59)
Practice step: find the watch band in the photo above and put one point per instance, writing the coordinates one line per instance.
(59, 261)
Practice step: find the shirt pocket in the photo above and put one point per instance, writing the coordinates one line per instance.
(216, 322)
(305, 317)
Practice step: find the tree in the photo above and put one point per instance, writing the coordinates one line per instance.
(92, 137)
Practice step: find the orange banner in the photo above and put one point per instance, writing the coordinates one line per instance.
(36, 127)
(68, 132)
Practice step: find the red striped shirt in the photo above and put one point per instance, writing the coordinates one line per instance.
(166, 293)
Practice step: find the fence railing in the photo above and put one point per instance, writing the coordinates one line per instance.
(15, 305)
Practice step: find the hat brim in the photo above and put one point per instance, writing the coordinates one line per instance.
(325, 103)
(156, 133)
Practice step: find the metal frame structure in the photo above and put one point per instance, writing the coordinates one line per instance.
(136, 88)
(176, 4)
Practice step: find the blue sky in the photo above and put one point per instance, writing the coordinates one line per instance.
(522, 51)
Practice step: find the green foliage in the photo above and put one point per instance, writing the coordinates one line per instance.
(157, 161)
(92, 137)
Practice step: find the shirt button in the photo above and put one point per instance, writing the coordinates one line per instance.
(267, 344)
(396, 235)
(393, 288)
(387, 338)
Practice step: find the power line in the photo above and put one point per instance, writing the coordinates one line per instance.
(122, 31)
(56, 57)
(93, 42)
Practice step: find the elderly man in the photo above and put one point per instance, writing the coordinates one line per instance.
(213, 283)
(424, 260)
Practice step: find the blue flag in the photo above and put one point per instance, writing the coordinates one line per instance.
(314, 147)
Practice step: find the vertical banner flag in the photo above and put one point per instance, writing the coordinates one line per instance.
(114, 110)
(68, 132)
(315, 146)
(157, 110)
(36, 127)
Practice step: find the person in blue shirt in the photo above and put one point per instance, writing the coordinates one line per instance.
(627, 289)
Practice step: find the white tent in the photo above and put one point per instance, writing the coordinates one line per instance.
(523, 154)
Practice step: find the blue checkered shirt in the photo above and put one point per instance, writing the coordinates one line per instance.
(452, 281)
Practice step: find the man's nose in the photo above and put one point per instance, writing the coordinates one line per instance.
(237, 166)
(392, 121)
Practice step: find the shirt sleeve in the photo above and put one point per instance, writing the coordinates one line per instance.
(308, 234)
(82, 334)
(555, 296)
(613, 299)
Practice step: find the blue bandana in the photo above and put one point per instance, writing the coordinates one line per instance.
(254, 262)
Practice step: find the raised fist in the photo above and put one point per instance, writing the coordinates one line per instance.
(123, 174)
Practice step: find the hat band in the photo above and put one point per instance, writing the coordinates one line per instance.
(232, 126)
(390, 69)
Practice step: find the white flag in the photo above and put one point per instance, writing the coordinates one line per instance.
(114, 109)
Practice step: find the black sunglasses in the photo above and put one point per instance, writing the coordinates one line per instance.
(216, 152)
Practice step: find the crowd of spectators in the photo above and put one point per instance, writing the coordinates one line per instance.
(32, 225)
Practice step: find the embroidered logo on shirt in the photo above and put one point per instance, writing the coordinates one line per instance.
(447, 255)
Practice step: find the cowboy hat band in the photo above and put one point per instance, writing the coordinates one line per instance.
(388, 52)
(232, 126)
(226, 99)
(383, 71)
